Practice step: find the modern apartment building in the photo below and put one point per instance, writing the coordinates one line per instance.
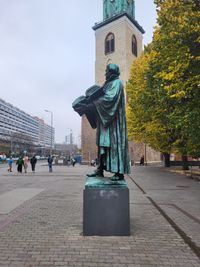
(15, 122)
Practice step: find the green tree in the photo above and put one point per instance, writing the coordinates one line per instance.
(148, 106)
(177, 42)
(166, 85)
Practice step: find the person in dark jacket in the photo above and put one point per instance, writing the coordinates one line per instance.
(33, 163)
(142, 160)
(50, 162)
(20, 163)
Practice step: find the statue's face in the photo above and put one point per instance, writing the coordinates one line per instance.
(107, 74)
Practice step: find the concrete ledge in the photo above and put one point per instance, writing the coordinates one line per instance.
(106, 212)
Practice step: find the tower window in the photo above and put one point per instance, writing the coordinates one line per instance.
(109, 43)
(134, 46)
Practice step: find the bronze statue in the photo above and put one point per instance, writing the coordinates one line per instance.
(105, 110)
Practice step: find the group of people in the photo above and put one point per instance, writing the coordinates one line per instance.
(23, 162)
(69, 161)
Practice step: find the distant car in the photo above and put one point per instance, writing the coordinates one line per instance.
(37, 157)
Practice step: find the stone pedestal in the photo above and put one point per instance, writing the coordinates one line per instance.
(106, 208)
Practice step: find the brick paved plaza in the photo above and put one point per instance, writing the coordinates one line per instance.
(41, 224)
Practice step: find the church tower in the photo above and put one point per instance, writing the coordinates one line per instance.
(118, 40)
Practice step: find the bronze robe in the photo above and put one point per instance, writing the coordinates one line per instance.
(111, 128)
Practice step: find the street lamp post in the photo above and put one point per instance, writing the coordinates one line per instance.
(70, 142)
(51, 129)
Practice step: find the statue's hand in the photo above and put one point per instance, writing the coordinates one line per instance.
(85, 108)
(82, 109)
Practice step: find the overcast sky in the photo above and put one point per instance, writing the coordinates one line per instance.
(47, 55)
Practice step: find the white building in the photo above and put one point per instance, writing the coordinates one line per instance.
(14, 121)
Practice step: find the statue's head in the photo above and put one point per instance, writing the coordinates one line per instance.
(112, 70)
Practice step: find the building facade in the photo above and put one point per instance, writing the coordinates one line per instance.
(17, 123)
(69, 138)
(118, 40)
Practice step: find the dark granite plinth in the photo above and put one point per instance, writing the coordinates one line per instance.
(106, 211)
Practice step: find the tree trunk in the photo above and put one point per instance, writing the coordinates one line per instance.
(166, 159)
(185, 162)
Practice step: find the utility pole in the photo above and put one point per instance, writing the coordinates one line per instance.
(51, 129)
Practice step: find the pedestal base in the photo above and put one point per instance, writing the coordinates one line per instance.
(106, 211)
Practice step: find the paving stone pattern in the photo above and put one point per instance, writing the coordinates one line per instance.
(46, 230)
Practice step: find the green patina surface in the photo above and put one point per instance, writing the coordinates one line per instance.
(115, 7)
(107, 111)
(112, 139)
(99, 182)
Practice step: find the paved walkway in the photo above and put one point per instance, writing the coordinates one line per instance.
(45, 228)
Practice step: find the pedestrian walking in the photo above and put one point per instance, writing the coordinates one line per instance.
(68, 161)
(33, 163)
(10, 162)
(93, 163)
(20, 164)
(50, 162)
(73, 161)
(25, 163)
(142, 160)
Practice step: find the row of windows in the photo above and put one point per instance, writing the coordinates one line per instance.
(7, 131)
(13, 120)
(110, 44)
(18, 124)
(16, 113)
(19, 129)
(17, 116)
